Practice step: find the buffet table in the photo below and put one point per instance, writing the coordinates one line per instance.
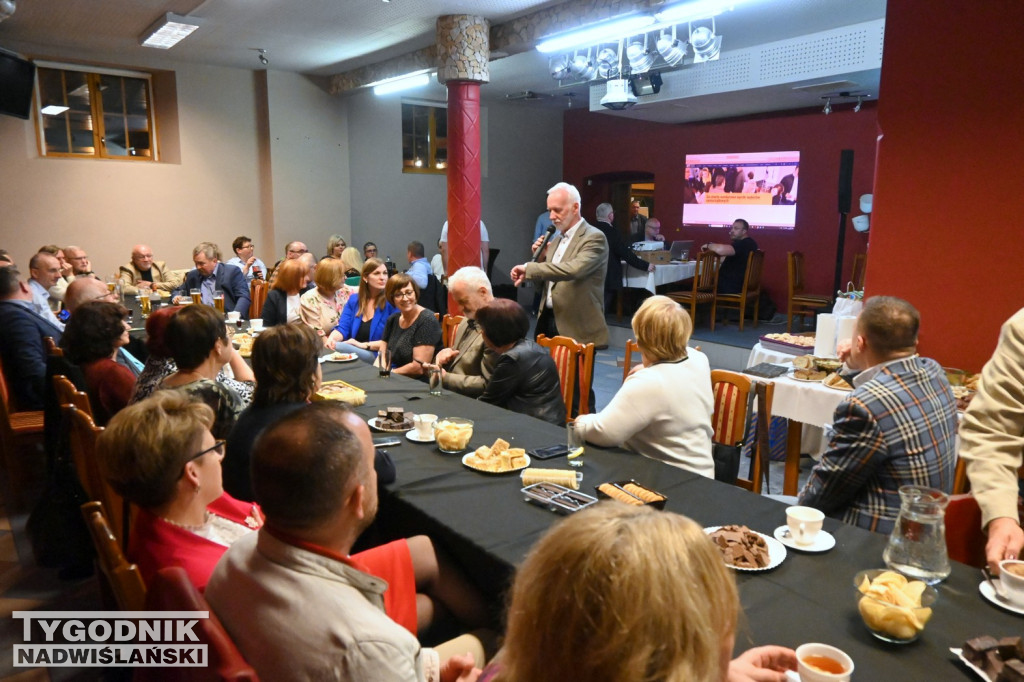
(482, 520)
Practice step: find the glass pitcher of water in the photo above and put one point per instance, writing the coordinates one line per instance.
(917, 545)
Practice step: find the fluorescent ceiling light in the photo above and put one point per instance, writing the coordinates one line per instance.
(399, 83)
(168, 31)
(699, 9)
(53, 110)
(596, 33)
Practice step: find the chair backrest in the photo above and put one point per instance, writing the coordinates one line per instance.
(258, 290)
(449, 324)
(795, 263)
(124, 579)
(173, 591)
(860, 267)
(729, 421)
(353, 281)
(706, 277)
(627, 363)
(52, 348)
(573, 360)
(84, 436)
(965, 540)
(68, 394)
(752, 279)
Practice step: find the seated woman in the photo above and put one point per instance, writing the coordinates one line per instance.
(284, 360)
(656, 598)
(321, 306)
(282, 305)
(160, 365)
(664, 408)
(160, 455)
(91, 340)
(200, 346)
(335, 246)
(413, 335)
(525, 378)
(364, 316)
(353, 261)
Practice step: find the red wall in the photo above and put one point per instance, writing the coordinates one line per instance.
(946, 229)
(598, 143)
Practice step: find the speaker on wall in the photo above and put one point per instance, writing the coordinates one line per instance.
(845, 180)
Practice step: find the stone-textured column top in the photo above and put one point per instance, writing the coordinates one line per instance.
(463, 48)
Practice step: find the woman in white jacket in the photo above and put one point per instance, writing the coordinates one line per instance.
(663, 410)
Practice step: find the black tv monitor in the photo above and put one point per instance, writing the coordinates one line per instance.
(17, 76)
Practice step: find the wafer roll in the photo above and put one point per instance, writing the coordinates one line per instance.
(562, 477)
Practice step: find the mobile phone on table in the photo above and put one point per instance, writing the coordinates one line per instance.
(386, 441)
(550, 452)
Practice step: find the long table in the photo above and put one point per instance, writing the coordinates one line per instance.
(483, 521)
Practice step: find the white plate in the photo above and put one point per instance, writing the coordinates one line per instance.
(374, 423)
(776, 552)
(415, 437)
(823, 541)
(988, 593)
(811, 381)
(494, 473)
(845, 389)
(341, 357)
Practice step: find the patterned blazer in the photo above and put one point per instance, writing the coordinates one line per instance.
(898, 428)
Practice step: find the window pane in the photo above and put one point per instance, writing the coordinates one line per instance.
(420, 153)
(125, 117)
(70, 131)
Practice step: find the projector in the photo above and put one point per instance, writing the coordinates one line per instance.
(618, 96)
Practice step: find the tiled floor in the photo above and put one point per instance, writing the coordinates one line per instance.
(24, 586)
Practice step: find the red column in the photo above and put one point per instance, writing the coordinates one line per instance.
(463, 177)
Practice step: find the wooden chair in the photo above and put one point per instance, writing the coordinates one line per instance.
(965, 540)
(123, 578)
(731, 392)
(68, 394)
(258, 290)
(173, 591)
(448, 326)
(627, 363)
(705, 282)
(572, 359)
(84, 436)
(751, 291)
(860, 267)
(801, 303)
(52, 348)
(21, 436)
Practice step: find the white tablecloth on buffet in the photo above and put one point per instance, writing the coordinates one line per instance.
(664, 273)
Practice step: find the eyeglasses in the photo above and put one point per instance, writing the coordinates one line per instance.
(371, 251)
(411, 293)
(218, 447)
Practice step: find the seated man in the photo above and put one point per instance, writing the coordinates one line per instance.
(22, 349)
(734, 257)
(251, 266)
(145, 274)
(44, 271)
(467, 366)
(292, 250)
(650, 233)
(312, 473)
(897, 427)
(81, 266)
(419, 267)
(210, 275)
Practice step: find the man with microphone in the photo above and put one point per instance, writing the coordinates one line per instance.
(572, 267)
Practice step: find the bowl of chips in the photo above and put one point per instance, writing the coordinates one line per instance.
(894, 608)
(452, 434)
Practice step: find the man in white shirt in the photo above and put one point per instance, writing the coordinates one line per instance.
(245, 260)
(484, 246)
(44, 271)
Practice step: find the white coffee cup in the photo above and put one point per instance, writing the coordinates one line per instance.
(804, 524)
(424, 425)
(1011, 585)
(256, 325)
(234, 316)
(806, 652)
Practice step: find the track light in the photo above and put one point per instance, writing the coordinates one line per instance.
(262, 56)
(640, 58)
(399, 83)
(607, 63)
(671, 50)
(7, 8)
(860, 99)
(706, 45)
(597, 33)
(828, 106)
(559, 67)
(581, 67)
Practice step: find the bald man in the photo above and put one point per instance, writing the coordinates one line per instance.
(145, 274)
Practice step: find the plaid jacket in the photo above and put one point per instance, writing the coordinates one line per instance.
(899, 428)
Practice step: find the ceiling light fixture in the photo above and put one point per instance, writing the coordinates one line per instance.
(262, 55)
(7, 8)
(581, 66)
(53, 110)
(596, 33)
(607, 63)
(559, 67)
(399, 83)
(671, 50)
(706, 45)
(618, 95)
(640, 58)
(691, 11)
(168, 31)
(828, 106)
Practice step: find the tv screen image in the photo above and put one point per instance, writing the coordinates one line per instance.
(17, 77)
(760, 187)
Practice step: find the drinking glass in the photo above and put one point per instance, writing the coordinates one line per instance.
(218, 300)
(197, 296)
(576, 443)
(145, 305)
(384, 358)
(434, 379)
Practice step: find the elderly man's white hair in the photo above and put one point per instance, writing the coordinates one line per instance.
(574, 193)
(604, 211)
(472, 277)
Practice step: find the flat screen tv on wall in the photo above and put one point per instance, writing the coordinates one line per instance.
(761, 187)
(17, 77)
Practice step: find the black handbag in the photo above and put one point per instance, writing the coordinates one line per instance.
(727, 457)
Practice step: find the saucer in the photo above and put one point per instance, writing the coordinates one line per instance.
(823, 541)
(990, 594)
(415, 437)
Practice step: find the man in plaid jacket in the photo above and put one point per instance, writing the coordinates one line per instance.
(897, 427)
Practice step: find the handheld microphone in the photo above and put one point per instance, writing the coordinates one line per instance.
(544, 243)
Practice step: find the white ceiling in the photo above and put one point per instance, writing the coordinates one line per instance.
(325, 37)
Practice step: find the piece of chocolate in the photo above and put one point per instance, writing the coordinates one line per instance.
(1011, 647)
(993, 665)
(975, 649)
(1013, 671)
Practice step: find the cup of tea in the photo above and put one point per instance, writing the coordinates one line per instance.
(424, 425)
(234, 316)
(256, 325)
(823, 663)
(804, 524)
(1011, 580)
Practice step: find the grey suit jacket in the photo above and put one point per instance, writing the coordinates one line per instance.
(471, 369)
(578, 293)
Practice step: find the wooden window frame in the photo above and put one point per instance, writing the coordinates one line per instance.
(434, 143)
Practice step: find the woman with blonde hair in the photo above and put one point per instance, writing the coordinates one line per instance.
(283, 304)
(362, 320)
(656, 603)
(353, 261)
(663, 410)
(321, 306)
(335, 246)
